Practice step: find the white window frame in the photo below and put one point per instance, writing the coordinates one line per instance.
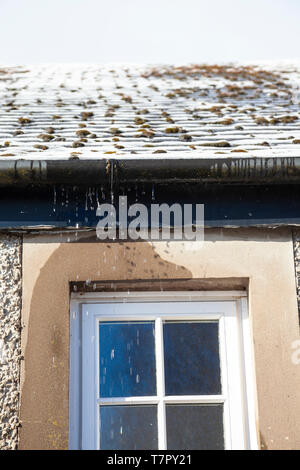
(236, 357)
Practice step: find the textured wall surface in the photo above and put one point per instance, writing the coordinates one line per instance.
(10, 335)
(296, 239)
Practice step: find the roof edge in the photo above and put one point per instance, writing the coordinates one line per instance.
(270, 170)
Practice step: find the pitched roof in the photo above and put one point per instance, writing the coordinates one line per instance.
(96, 111)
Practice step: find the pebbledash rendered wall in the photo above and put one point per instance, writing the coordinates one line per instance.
(10, 338)
(10, 333)
(296, 239)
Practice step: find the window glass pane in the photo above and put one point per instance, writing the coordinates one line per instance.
(127, 359)
(127, 427)
(192, 362)
(192, 427)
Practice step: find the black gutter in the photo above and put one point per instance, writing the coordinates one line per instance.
(236, 192)
(117, 171)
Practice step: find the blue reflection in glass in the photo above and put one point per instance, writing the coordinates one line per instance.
(192, 362)
(124, 427)
(127, 359)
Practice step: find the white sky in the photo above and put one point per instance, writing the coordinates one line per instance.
(152, 31)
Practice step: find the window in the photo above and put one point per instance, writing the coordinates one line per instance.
(154, 373)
